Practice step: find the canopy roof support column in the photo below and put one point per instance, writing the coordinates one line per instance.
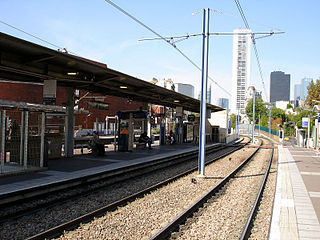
(3, 136)
(69, 123)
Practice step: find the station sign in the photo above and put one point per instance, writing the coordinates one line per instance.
(98, 105)
(49, 92)
(179, 111)
(191, 118)
(305, 122)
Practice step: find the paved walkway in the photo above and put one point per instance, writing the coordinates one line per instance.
(297, 200)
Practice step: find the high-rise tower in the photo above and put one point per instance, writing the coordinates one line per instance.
(279, 86)
(241, 65)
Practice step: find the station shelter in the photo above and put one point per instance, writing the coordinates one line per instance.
(23, 61)
(26, 138)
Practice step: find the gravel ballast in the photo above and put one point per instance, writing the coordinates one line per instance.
(146, 216)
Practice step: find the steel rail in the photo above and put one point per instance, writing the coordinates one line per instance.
(174, 224)
(144, 169)
(35, 192)
(248, 226)
(56, 231)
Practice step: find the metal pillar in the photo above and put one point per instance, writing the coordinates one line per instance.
(259, 125)
(269, 122)
(253, 112)
(43, 125)
(21, 138)
(26, 134)
(3, 136)
(204, 79)
(308, 140)
(69, 123)
(238, 124)
(163, 127)
(316, 142)
(149, 120)
(131, 132)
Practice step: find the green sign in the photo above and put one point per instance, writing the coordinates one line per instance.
(98, 105)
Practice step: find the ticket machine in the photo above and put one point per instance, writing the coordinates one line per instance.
(126, 128)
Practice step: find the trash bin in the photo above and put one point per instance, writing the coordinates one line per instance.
(54, 142)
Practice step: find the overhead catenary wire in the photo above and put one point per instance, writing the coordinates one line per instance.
(36, 37)
(163, 38)
(254, 45)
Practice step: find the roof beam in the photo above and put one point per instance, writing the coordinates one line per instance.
(37, 59)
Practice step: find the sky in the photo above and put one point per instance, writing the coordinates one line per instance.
(96, 30)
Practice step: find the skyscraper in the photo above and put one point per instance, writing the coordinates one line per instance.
(209, 95)
(297, 88)
(279, 86)
(221, 102)
(305, 82)
(186, 89)
(241, 65)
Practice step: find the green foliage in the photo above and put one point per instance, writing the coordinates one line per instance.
(298, 118)
(260, 109)
(313, 93)
(278, 113)
(233, 120)
(264, 121)
(289, 106)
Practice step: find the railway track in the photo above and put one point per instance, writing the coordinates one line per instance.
(86, 217)
(53, 194)
(181, 224)
(249, 223)
(124, 223)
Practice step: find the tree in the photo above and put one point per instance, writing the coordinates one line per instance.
(313, 93)
(233, 118)
(278, 113)
(264, 121)
(260, 109)
(289, 106)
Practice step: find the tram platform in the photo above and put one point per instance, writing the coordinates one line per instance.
(84, 165)
(296, 211)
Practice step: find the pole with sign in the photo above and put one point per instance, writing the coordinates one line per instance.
(306, 123)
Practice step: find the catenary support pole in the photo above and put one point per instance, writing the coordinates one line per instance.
(204, 79)
(269, 121)
(253, 115)
(259, 125)
(238, 130)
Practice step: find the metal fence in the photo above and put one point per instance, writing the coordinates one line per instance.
(20, 140)
(265, 129)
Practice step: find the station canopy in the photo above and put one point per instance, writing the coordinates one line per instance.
(23, 61)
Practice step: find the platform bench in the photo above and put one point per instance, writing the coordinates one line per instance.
(140, 145)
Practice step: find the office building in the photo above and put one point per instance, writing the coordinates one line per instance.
(209, 95)
(221, 102)
(305, 82)
(186, 89)
(241, 65)
(296, 94)
(279, 86)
